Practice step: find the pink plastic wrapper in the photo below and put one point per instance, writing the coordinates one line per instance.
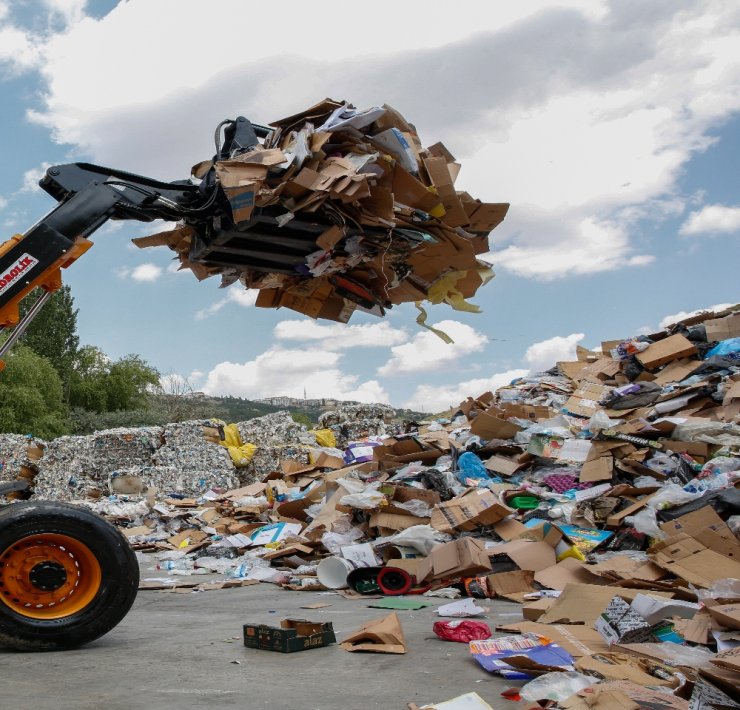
(462, 631)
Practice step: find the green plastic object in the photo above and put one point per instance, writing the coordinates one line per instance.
(524, 502)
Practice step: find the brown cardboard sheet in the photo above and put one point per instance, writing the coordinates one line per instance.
(584, 603)
(687, 558)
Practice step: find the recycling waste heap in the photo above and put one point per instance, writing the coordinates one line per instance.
(341, 209)
(600, 496)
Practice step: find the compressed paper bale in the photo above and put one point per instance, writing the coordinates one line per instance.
(190, 482)
(267, 459)
(199, 464)
(117, 448)
(356, 421)
(274, 429)
(175, 458)
(64, 470)
(13, 455)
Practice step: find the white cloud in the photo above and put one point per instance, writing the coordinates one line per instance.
(546, 354)
(337, 336)
(143, 273)
(576, 246)
(234, 294)
(682, 315)
(283, 372)
(146, 272)
(712, 219)
(19, 51)
(589, 128)
(31, 178)
(68, 11)
(434, 398)
(427, 352)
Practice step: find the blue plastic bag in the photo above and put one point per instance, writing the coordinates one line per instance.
(726, 348)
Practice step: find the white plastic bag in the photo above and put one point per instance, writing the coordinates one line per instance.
(556, 686)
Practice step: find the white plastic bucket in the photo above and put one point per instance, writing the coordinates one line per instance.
(332, 572)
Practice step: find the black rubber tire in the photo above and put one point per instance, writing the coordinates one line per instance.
(118, 586)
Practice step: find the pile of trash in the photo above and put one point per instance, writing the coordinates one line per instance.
(601, 496)
(341, 209)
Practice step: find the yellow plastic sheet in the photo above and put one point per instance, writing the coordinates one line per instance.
(325, 437)
(232, 436)
(241, 455)
(445, 291)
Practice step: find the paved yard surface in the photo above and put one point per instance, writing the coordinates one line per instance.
(178, 650)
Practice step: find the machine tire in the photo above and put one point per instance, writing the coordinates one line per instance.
(50, 552)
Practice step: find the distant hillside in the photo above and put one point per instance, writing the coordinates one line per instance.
(167, 408)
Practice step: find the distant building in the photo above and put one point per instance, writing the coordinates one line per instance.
(296, 403)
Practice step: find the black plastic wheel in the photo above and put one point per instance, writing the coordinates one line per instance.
(67, 576)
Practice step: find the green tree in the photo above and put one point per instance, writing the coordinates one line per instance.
(53, 332)
(130, 381)
(31, 395)
(101, 385)
(301, 418)
(88, 380)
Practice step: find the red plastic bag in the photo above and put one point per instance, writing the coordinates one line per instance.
(462, 630)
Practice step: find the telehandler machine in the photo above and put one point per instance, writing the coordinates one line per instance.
(67, 576)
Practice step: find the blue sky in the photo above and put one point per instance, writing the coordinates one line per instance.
(613, 129)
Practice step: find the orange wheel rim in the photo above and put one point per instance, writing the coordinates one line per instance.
(48, 576)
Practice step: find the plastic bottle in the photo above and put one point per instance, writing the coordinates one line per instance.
(175, 564)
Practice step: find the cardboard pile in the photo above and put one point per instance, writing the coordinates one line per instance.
(340, 209)
(569, 492)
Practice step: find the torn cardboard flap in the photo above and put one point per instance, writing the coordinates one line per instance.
(584, 603)
(687, 558)
(467, 512)
(664, 351)
(463, 557)
(723, 328)
(528, 555)
(727, 615)
(511, 585)
(383, 635)
(695, 522)
(621, 666)
(568, 571)
(488, 426)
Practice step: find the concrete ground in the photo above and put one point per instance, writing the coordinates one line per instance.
(184, 650)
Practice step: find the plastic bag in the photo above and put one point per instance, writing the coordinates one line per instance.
(670, 496)
(231, 436)
(334, 542)
(416, 507)
(721, 589)
(720, 464)
(423, 538)
(367, 500)
(600, 420)
(463, 608)
(628, 348)
(462, 631)
(709, 432)
(726, 348)
(325, 437)
(645, 521)
(662, 463)
(472, 470)
(242, 455)
(556, 686)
